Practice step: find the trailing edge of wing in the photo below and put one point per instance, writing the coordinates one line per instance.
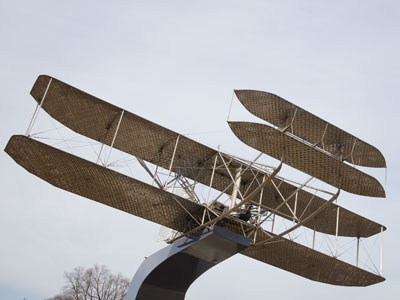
(306, 159)
(311, 128)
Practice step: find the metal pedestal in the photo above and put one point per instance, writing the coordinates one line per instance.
(168, 273)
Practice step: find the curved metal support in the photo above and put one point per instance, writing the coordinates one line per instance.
(168, 273)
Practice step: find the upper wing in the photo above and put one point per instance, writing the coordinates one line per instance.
(97, 119)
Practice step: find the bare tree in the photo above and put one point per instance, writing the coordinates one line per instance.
(61, 297)
(96, 283)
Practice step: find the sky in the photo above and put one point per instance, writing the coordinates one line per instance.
(176, 63)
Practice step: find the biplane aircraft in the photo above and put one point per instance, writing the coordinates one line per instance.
(255, 192)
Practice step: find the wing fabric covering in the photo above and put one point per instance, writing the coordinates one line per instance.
(97, 119)
(311, 128)
(100, 184)
(311, 264)
(111, 188)
(306, 159)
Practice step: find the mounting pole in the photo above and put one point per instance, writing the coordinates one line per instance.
(381, 253)
(168, 273)
(337, 232)
(37, 109)
(236, 186)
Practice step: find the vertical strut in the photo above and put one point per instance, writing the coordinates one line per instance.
(98, 157)
(114, 137)
(212, 177)
(381, 254)
(337, 232)
(37, 109)
(358, 250)
(313, 239)
(294, 213)
(258, 218)
(172, 161)
(154, 177)
(236, 186)
(273, 223)
(260, 201)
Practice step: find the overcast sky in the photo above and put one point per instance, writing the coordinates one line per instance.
(176, 63)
